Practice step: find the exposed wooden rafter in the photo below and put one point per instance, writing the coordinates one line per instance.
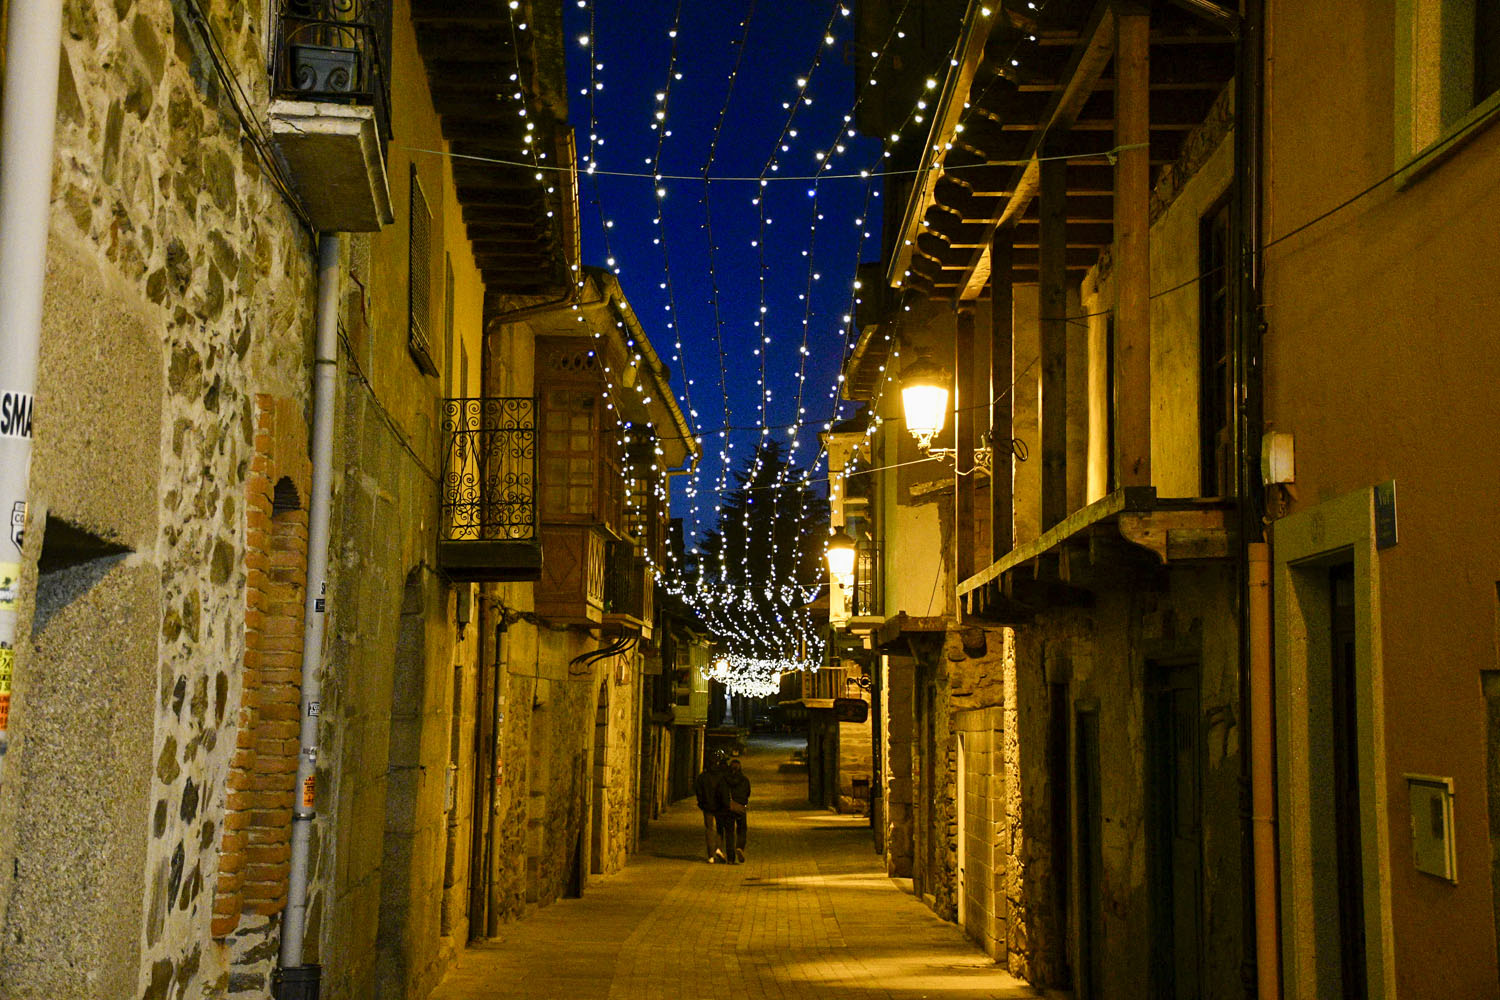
(1056, 96)
(523, 235)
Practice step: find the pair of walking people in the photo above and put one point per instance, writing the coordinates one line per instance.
(723, 794)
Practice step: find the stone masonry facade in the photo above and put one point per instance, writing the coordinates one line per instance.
(179, 289)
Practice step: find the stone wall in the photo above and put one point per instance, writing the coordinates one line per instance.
(898, 713)
(1103, 662)
(380, 848)
(1035, 946)
(854, 774)
(179, 287)
(563, 809)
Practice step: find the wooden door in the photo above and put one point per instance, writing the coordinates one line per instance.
(1347, 829)
(1174, 837)
(1090, 964)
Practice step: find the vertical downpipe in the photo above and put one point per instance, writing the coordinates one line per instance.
(1262, 775)
(1261, 965)
(26, 140)
(497, 724)
(293, 980)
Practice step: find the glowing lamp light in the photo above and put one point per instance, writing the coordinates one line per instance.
(841, 555)
(924, 397)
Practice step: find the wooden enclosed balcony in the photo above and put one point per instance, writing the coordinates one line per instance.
(571, 586)
(630, 599)
(1119, 541)
(813, 688)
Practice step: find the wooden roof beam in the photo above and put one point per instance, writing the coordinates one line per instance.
(950, 108)
(1084, 70)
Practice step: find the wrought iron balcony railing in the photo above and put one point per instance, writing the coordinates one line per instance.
(334, 50)
(489, 469)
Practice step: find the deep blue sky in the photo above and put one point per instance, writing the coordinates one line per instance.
(785, 37)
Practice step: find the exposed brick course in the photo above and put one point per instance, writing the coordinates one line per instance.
(253, 850)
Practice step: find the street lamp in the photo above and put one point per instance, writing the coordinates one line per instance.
(841, 555)
(924, 397)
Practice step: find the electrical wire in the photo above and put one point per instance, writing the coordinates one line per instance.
(255, 132)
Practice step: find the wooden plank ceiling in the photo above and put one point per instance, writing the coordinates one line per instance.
(1014, 99)
(471, 51)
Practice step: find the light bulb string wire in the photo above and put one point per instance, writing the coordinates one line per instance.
(778, 178)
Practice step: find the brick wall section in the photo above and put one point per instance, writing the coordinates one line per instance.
(254, 848)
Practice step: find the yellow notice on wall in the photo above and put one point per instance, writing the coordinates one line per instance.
(309, 792)
(10, 585)
(7, 665)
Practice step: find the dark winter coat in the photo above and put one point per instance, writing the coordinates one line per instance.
(738, 786)
(710, 790)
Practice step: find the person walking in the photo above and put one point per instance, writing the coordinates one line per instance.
(738, 787)
(712, 797)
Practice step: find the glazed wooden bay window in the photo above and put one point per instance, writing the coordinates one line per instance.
(644, 518)
(580, 473)
(581, 483)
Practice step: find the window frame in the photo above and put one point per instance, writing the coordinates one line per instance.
(419, 276)
(1215, 458)
(1416, 83)
(561, 367)
(549, 407)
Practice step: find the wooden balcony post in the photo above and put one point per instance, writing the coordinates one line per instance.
(1132, 257)
(965, 382)
(1002, 394)
(1053, 210)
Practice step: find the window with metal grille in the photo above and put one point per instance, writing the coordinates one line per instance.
(419, 261)
(458, 382)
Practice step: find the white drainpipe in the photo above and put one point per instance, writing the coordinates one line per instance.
(26, 134)
(293, 980)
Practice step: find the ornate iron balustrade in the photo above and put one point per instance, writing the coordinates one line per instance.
(489, 469)
(334, 50)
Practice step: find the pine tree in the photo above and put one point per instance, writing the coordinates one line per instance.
(766, 556)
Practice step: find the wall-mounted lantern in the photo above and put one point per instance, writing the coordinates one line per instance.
(841, 556)
(924, 397)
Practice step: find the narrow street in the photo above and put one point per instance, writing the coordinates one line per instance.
(810, 914)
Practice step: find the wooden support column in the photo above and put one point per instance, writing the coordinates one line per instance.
(1002, 392)
(1053, 209)
(1133, 250)
(965, 383)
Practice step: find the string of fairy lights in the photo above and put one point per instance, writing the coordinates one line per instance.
(750, 609)
(723, 600)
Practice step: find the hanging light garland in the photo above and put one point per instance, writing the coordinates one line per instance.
(712, 594)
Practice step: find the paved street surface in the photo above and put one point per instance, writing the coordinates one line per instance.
(810, 914)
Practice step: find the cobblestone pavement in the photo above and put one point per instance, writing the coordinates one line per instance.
(810, 914)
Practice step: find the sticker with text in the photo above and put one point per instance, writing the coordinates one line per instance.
(15, 414)
(7, 665)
